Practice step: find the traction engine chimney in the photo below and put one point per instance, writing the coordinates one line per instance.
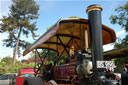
(94, 18)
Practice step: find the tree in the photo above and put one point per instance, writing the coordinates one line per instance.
(8, 60)
(120, 62)
(18, 22)
(6, 65)
(121, 43)
(122, 19)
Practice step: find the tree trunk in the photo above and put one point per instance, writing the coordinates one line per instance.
(17, 44)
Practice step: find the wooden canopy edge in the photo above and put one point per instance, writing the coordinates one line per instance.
(116, 53)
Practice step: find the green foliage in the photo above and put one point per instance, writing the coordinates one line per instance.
(7, 60)
(19, 21)
(63, 60)
(120, 62)
(15, 67)
(6, 65)
(2, 67)
(50, 27)
(74, 17)
(121, 43)
(51, 57)
(122, 17)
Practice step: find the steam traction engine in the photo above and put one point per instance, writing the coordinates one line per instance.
(81, 41)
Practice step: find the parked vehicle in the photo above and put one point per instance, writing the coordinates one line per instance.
(25, 72)
(81, 40)
(6, 79)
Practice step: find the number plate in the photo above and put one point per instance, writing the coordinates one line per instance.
(105, 64)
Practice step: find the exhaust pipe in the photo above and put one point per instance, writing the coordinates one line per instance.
(94, 18)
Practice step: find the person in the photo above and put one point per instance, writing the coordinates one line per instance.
(72, 49)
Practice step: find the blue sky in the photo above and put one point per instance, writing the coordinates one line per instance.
(53, 10)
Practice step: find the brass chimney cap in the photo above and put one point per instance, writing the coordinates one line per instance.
(94, 7)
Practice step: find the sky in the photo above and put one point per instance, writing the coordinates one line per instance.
(52, 10)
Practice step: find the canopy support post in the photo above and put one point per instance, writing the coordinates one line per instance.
(39, 55)
(80, 37)
(57, 45)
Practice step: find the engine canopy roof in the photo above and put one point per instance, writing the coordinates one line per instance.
(66, 29)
